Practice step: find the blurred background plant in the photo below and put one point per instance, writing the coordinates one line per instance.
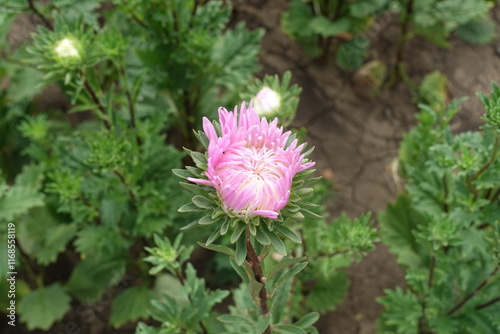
(445, 228)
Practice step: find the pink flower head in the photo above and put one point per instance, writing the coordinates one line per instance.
(250, 165)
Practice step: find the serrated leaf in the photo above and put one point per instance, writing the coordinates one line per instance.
(18, 200)
(351, 54)
(218, 248)
(90, 278)
(322, 297)
(477, 31)
(130, 305)
(42, 307)
(398, 222)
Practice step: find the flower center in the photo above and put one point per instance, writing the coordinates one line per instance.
(257, 177)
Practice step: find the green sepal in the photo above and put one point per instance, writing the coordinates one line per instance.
(207, 220)
(190, 207)
(195, 189)
(194, 171)
(241, 251)
(224, 227)
(202, 138)
(182, 173)
(237, 232)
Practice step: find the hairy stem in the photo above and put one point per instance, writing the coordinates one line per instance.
(259, 277)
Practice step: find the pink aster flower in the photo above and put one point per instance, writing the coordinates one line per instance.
(250, 165)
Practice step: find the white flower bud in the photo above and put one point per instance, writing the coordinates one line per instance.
(66, 48)
(266, 102)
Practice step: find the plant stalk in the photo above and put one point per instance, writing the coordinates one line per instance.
(255, 263)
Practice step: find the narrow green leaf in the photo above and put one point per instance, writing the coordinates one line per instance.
(218, 248)
(262, 237)
(254, 287)
(190, 207)
(215, 234)
(202, 202)
(262, 324)
(190, 225)
(307, 320)
(288, 329)
(288, 275)
(182, 173)
(284, 263)
(195, 189)
(237, 232)
(288, 233)
(241, 251)
(277, 243)
(242, 271)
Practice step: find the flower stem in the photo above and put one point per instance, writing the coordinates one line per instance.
(259, 277)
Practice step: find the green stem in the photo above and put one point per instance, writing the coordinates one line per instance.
(255, 263)
(400, 46)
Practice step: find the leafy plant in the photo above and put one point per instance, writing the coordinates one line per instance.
(88, 191)
(316, 24)
(445, 229)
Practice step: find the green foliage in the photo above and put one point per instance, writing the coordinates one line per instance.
(96, 186)
(435, 19)
(42, 307)
(188, 310)
(314, 24)
(444, 229)
(131, 305)
(288, 97)
(477, 31)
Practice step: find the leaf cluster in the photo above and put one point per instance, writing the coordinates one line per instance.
(444, 230)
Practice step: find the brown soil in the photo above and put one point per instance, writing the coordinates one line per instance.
(358, 137)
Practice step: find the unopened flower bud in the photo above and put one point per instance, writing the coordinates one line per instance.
(267, 101)
(66, 48)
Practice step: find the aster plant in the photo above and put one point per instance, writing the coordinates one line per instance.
(249, 185)
(273, 97)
